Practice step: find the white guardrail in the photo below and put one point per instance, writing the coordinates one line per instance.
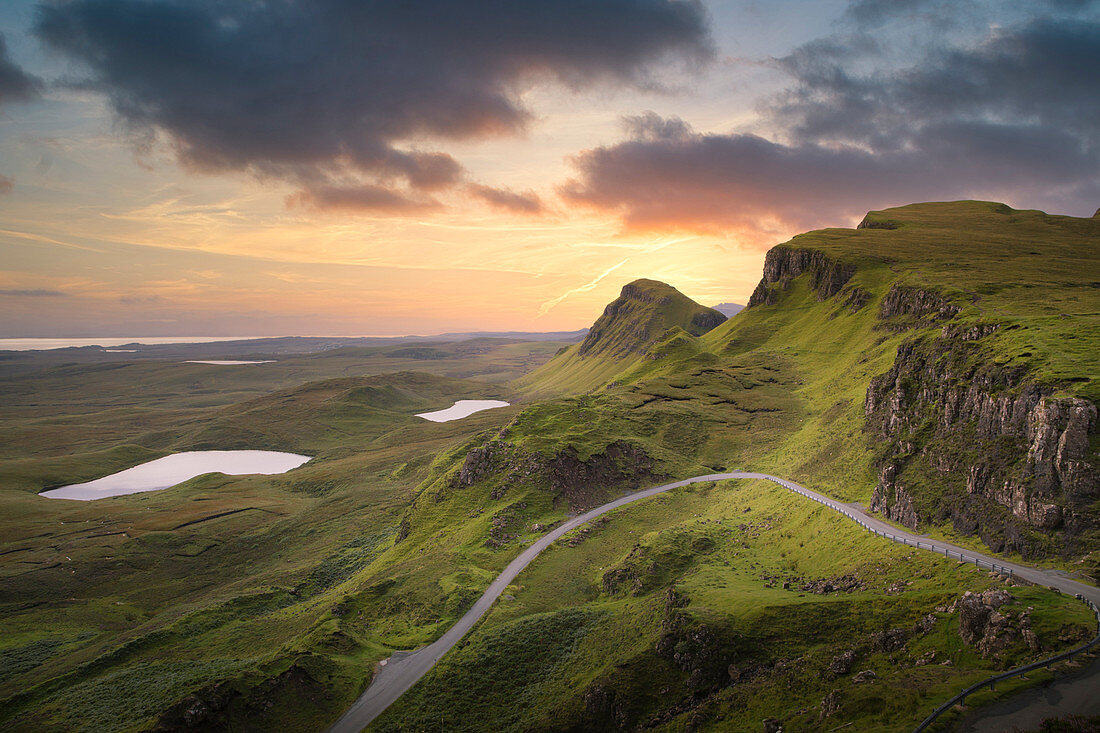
(931, 547)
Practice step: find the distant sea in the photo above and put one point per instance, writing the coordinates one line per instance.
(37, 344)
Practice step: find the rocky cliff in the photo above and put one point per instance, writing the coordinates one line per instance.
(963, 435)
(782, 264)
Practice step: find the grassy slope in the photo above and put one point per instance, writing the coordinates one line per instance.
(778, 388)
(234, 578)
(562, 634)
(1027, 267)
(622, 337)
(819, 356)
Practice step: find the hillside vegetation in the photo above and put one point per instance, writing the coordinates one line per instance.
(663, 627)
(920, 364)
(632, 325)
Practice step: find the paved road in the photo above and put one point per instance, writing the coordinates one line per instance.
(1072, 692)
(404, 669)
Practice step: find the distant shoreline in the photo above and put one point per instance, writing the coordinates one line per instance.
(110, 342)
(45, 344)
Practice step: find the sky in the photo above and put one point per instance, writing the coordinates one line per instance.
(384, 167)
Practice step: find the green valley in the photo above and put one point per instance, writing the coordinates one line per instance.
(937, 365)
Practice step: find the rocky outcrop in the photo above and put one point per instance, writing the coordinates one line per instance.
(986, 626)
(916, 306)
(697, 649)
(854, 298)
(842, 663)
(604, 708)
(969, 331)
(580, 482)
(708, 654)
(505, 525)
(830, 704)
(987, 431)
(782, 264)
(892, 501)
(482, 462)
(223, 706)
(202, 710)
(819, 586)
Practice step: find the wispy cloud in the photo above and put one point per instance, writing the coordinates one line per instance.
(590, 285)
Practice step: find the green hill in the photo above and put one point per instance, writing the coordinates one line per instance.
(920, 363)
(937, 363)
(626, 333)
(982, 324)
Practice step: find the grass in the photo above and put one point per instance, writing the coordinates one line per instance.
(120, 590)
(377, 545)
(717, 545)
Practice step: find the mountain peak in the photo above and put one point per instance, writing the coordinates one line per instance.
(644, 310)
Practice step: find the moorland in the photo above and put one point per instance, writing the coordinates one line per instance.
(936, 365)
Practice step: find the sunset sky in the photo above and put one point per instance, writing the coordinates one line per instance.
(360, 167)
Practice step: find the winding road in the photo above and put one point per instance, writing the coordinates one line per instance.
(404, 669)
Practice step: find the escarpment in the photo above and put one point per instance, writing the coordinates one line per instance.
(964, 435)
(915, 306)
(783, 264)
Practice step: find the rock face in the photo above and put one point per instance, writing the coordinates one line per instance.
(783, 264)
(919, 304)
(986, 430)
(892, 501)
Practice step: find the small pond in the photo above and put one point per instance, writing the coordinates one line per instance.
(461, 409)
(177, 468)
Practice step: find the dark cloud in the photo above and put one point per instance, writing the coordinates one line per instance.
(362, 197)
(1014, 115)
(1042, 71)
(319, 90)
(526, 202)
(651, 126)
(33, 294)
(875, 13)
(7, 184)
(16, 85)
(870, 14)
